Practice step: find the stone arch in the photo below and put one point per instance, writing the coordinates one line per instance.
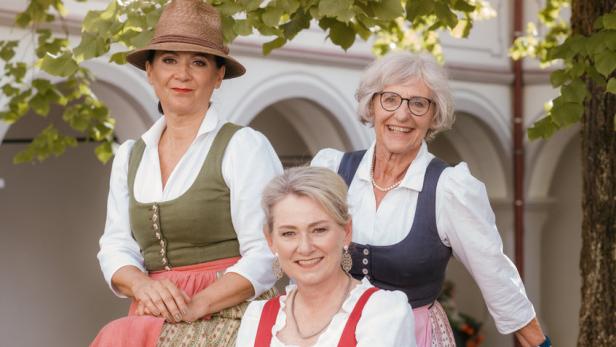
(302, 86)
(480, 137)
(543, 158)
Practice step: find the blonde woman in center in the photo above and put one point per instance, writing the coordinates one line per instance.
(309, 230)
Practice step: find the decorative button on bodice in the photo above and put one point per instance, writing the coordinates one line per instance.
(155, 218)
(366, 251)
(364, 261)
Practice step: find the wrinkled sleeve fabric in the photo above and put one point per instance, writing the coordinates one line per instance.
(466, 223)
(328, 158)
(386, 321)
(117, 246)
(248, 165)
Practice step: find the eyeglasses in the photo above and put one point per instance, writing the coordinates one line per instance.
(418, 105)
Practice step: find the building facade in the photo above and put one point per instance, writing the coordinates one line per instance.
(301, 98)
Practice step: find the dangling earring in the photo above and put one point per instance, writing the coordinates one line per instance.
(276, 267)
(347, 262)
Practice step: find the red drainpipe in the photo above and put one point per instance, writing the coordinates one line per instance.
(518, 144)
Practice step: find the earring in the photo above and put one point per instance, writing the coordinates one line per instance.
(347, 262)
(276, 268)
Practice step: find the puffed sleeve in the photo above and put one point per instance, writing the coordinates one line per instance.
(387, 321)
(328, 158)
(248, 165)
(466, 223)
(118, 248)
(250, 323)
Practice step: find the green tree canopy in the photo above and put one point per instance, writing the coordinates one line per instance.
(125, 25)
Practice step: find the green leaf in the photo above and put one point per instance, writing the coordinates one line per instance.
(566, 113)
(91, 46)
(229, 8)
(278, 42)
(611, 85)
(558, 77)
(342, 34)
(445, 15)
(299, 21)
(17, 70)
(388, 9)
(609, 21)
(40, 104)
(23, 19)
(339, 9)
(543, 128)
(271, 16)
(42, 85)
(95, 23)
(48, 142)
(228, 25)
(463, 5)
(142, 39)
(9, 90)
(418, 8)
(605, 62)
(7, 52)
(242, 27)
(63, 65)
(610, 40)
(152, 18)
(574, 92)
(104, 152)
(250, 5)
(119, 57)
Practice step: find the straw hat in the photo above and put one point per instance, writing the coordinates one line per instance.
(189, 26)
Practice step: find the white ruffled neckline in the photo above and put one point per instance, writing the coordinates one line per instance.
(339, 318)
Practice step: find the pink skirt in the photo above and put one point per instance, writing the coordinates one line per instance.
(136, 330)
(432, 327)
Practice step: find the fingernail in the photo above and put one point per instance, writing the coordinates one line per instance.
(178, 317)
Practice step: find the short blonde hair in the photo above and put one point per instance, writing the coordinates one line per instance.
(319, 184)
(402, 67)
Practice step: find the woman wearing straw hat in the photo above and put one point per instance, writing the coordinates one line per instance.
(183, 237)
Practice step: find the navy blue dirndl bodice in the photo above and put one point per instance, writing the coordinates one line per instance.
(416, 265)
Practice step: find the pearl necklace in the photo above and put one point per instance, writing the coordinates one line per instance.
(386, 189)
(306, 337)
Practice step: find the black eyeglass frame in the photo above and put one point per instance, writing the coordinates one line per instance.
(408, 102)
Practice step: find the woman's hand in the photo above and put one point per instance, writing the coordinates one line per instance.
(196, 310)
(530, 335)
(159, 298)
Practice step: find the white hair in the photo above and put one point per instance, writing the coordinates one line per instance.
(401, 68)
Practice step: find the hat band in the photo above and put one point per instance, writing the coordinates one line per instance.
(190, 40)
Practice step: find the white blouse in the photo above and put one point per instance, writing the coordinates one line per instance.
(386, 321)
(464, 219)
(248, 164)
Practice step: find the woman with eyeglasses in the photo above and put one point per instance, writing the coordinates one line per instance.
(411, 211)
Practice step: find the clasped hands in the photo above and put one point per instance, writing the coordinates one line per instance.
(162, 298)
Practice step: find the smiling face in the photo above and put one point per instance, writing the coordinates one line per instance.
(184, 81)
(308, 241)
(399, 131)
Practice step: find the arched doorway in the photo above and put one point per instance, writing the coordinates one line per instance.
(298, 128)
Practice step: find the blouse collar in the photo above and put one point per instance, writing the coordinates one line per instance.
(152, 136)
(414, 177)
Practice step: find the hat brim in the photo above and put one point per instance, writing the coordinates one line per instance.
(138, 57)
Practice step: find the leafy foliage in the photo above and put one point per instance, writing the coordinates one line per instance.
(395, 24)
(582, 57)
